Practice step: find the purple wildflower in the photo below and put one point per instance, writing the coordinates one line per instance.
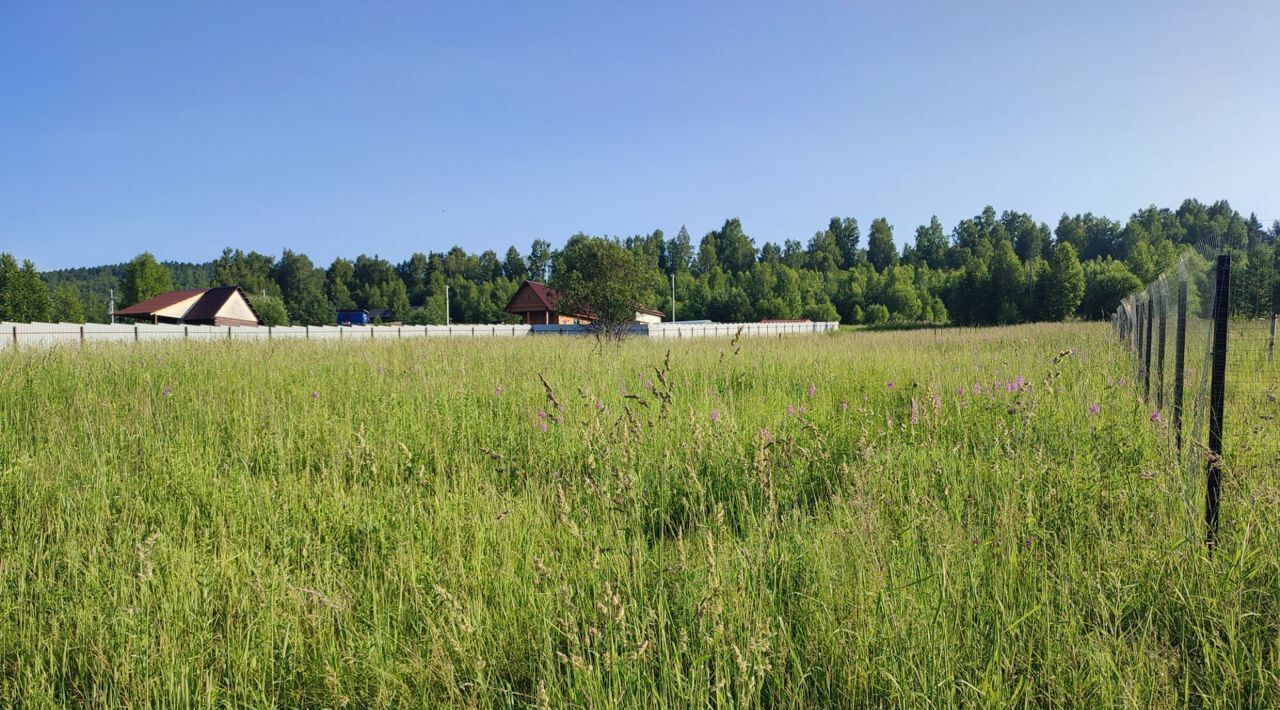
(648, 384)
(791, 410)
(915, 411)
(600, 405)
(543, 426)
(498, 390)
(813, 390)
(1121, 382)
(715, 415)
(891, 384)
(844, 405)
(1155, 416)
(1020, 383)
(977, 388)
(1095, 409)
(542, 414)
(803, 411)
(766, 436)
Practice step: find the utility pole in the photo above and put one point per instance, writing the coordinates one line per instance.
(673, 297)
(111, 305)
(446, 304)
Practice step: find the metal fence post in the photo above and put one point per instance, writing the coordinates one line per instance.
(1217, 395)
(1137, 358)
(1146, 353)
(1163, 311)
(1179, 362)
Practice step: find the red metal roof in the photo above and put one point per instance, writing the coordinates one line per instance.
(159, 303)
(204, 309)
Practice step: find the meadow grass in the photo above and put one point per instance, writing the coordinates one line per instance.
(892, 519)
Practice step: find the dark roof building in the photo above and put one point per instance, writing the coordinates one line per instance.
(538, 304)
(224, 305)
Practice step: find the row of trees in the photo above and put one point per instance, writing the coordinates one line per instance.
(988, 269)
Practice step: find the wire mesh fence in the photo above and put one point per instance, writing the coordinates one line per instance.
(1203, 346)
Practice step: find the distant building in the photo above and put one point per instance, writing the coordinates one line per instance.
(354, 316)
(538, 304)
(224, 305)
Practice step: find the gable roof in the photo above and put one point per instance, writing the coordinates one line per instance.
(214, 299)
(206, 307)
(549, 297)
(159, 303)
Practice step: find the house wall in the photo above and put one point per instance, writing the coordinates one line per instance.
(647, 318)
(235, 309)
(526, 300)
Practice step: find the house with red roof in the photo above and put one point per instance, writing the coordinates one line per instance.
(538, 304)
(224, 305)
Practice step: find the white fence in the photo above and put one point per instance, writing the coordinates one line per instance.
(20, 335)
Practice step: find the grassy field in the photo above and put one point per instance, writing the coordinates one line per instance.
(977, 517)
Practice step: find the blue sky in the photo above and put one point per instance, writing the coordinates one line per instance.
(342, 128)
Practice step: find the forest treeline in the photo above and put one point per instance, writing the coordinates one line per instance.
(988, 269)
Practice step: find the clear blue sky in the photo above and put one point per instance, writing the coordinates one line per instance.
(349, 127)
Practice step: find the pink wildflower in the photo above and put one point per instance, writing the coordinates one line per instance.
(844, 405)
(915, 411)
(715, 415)
(803, 411)
(498, 390)
(766, 436)
(891, 384)
(1095, 409)
(813, 390)
(1155, 416)
(599, 405)
(542, 425)
(791, 410)
(977, 388)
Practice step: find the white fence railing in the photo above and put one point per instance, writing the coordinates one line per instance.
(19, 335)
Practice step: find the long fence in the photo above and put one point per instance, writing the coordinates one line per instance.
(1197, 349)
(24, 335)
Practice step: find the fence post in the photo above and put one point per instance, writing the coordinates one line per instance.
(1137, 357)
(82, 336)
(1179, 362)
(135, 333)
(1146, 352)
(306, 332)
(1163, 310)
(1217, 394)
(1271, 342)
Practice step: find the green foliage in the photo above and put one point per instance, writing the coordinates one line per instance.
(881, 251)
(143, 279)
(993, 268)
(1106, 285)
(1059, 288)
(67, 307)
(270, 309)
(598, 277)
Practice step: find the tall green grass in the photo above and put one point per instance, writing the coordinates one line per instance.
(389, 524)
